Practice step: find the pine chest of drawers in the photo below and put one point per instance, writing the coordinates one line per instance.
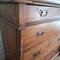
(30, 30)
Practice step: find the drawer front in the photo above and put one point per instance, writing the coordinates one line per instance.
(39, 13)
(37, 52)
(34, 35)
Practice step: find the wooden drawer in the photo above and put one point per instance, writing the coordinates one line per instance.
(37, 52)
(39, 13)
(34, 35)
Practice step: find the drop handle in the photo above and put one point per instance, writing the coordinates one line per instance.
(37, 53)
(39, 33)
(43, 13)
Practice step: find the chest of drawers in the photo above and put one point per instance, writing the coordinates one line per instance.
(30, 30)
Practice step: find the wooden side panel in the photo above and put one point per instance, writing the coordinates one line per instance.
(9, 40)
(10, 11)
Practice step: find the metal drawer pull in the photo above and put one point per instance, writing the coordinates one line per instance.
(42, 13)
(36, 54)
(39, 33)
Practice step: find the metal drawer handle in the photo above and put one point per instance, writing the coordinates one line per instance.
(39, 33)
(36, 54)
(42, 13)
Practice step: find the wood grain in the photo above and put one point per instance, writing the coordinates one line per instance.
(30, 38)
(22, 15)
(33, 13)
(9, 40)
(10, 11)
(51, 52)
(29, 54)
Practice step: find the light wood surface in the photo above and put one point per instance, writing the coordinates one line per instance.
(30, 54)
(30, 38)
(33, 13)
